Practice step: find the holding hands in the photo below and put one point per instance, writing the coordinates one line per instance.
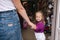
(33, 26)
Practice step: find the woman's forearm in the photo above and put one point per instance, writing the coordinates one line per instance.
(23, 13)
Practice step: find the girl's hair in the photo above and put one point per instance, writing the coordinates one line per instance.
(42, 15)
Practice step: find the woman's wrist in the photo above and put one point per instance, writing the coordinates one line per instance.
(29, 23)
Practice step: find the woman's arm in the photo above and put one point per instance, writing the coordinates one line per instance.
(22, 11)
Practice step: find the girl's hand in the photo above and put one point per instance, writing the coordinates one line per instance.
(33, 26)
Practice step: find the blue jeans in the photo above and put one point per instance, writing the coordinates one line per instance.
(10, 28)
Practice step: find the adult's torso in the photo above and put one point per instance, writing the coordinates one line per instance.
(6, 5)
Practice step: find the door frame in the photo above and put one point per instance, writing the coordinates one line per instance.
(54, 21)
(57, 20)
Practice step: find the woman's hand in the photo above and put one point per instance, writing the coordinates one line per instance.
(33, 26)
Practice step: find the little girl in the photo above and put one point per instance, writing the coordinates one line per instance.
(39, 30)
